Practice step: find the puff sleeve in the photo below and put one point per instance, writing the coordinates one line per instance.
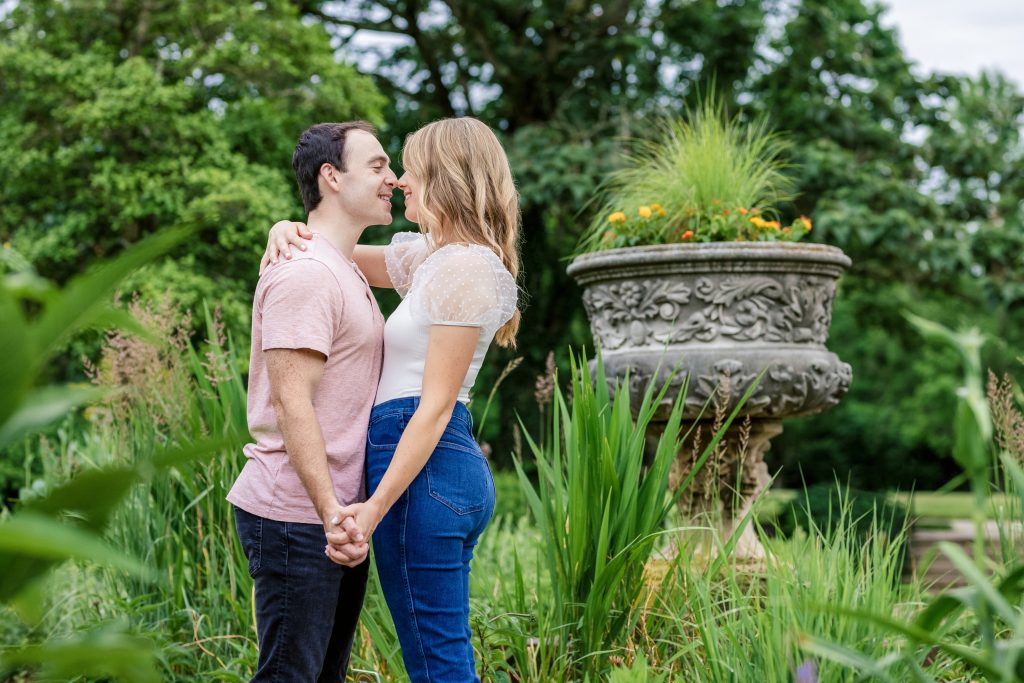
(465, 286)
(403, 256)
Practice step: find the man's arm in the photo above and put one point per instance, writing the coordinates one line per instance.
(294, 376)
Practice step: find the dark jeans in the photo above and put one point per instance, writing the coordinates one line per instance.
(306, 606)
(424, 544)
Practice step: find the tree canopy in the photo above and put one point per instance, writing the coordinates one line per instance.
(121, 120)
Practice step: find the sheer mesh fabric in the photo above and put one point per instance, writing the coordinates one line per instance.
(401, 258)
(463, 285)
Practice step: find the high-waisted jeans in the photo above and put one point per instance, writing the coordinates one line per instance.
(424, 544)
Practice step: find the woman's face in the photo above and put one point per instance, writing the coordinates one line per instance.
(410, 186)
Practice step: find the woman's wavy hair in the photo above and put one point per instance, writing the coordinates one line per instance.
(467, 194)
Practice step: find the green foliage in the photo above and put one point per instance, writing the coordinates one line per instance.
(708, 172)
(829, 509)
(991, 602)
(639, 672)
(599, 507)
(509, 499)
(68, 522)
(892, 429)
(119, 121)
(741, 623)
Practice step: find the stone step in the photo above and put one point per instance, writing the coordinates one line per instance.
(934, 568)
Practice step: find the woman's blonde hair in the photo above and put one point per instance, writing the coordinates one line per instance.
(467, 194)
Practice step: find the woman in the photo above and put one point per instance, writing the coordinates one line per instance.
(431, 492)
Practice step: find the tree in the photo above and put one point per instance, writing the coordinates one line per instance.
(120, 121)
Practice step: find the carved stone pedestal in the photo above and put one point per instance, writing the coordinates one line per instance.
(716, 318)
(723, 490)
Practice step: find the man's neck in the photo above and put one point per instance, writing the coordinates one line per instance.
(337, 229)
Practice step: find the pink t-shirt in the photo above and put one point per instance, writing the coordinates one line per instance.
(319, 300)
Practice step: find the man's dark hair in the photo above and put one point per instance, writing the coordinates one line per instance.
(321, 144)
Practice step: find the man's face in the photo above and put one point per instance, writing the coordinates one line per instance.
(368, 181)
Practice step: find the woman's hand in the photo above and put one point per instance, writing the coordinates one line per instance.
(366, 517)
(282, 236)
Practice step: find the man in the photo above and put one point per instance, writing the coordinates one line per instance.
(317, 339)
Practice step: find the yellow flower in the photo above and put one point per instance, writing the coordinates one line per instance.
(7, 245)
(757, 222)
(645, 212)
(774, 225)
(617, 217)
(657, 207)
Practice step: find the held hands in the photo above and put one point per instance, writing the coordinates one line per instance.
(350, 546)
(282, 236)
(349, 532)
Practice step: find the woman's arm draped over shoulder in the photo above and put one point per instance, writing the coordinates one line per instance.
(370, 260)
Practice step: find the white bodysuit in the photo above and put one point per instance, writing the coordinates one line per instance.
(464, 285)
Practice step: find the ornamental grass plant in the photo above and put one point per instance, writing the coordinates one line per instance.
(979, 627)
(705, 177)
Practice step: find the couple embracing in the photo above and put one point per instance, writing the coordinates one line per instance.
(343, 405)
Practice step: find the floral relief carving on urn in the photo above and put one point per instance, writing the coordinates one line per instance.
(717, 318)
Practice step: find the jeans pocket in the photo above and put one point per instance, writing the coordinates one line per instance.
(250, 533)
(385, 432)
(459, 479)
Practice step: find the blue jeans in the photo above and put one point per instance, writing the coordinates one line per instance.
(307, 607)
(424, 544)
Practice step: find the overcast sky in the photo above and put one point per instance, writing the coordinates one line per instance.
(962, 36)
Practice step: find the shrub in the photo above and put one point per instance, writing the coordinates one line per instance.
(817, 507)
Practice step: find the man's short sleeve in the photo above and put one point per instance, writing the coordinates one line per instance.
(301, 307)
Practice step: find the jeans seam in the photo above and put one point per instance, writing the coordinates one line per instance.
(408, 588)
(287, 590)
(259, 549)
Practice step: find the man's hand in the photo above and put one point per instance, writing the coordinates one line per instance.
(348, 540)
(346, 544)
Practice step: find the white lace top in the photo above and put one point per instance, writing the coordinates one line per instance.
(465, 285)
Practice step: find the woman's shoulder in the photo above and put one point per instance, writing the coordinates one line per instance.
(467, 282)
(467, 261)
(408, 238)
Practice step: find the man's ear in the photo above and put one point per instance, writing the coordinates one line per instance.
(329, 174)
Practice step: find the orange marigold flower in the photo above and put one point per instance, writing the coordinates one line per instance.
(725, 212)
(742, 211)
(687, 235)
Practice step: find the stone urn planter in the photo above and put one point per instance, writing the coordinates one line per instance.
(719, 314)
